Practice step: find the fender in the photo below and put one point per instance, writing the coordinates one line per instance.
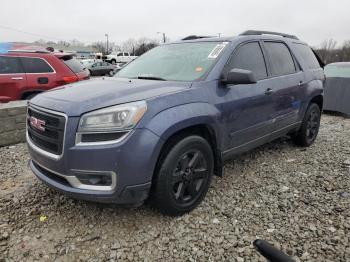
(174, 119)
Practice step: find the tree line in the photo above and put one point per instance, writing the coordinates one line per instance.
(134, 46)
(330, 52)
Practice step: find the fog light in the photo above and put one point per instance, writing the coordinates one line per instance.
(95, 179)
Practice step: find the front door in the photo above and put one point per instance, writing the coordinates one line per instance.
(246, 109)
(12, 79)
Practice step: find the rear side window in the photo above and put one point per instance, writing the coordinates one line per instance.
(281, 60)
(35, 65)
(307, 57)
(249, 57)
(73, 64)
(10, 65)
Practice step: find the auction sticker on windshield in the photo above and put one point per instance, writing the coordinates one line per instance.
(217, 50)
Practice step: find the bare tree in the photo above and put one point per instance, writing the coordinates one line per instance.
(101, 47)
(326, 50)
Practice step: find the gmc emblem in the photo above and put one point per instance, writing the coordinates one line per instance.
(37, 123)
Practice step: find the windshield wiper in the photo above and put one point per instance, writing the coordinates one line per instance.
(151, 78)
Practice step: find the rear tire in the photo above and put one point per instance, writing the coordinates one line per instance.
(183, 177)
(308, 131)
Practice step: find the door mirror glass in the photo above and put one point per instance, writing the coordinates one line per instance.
(239, 77)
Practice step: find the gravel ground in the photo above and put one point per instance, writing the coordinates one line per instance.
(298, 199)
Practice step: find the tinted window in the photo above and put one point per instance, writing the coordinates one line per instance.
(307, 56)
(35, 65)
(120, 54)
(126, 54)
(10, 65)
(249, 57)
(280, 58)
(73, 64)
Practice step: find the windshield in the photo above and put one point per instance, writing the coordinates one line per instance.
(174, 62)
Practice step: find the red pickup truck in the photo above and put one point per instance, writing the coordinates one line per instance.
(25, 73)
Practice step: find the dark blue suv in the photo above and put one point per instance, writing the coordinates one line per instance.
(164, 125)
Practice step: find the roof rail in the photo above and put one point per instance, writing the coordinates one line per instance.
(257, 32)
(193, 37)
(28, 51)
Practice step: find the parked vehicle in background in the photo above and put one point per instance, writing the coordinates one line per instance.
(118, 67)
(24, 74)
(119, 57)
(88, 62)
(337, 87)
(165, 123)
(101, 69)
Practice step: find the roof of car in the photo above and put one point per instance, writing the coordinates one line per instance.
(35, 53)
(250, 34)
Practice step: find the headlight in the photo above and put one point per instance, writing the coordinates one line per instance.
(111, 119)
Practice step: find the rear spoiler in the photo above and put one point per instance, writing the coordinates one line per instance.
(319, 59)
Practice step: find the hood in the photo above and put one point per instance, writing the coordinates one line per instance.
(85, 96)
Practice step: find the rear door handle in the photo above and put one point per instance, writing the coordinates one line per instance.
(301, 83)
(17, 78)
(269, 91)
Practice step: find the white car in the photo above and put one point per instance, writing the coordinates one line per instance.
(119, 57)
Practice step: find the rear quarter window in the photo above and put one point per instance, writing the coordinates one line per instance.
(307, 56)
(10, 65)
(36, 65)
(73, 64)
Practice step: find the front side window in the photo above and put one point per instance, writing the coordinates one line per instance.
(35, 65)
(175, 62)
(10, 65)
(281, 60)
(249, 57)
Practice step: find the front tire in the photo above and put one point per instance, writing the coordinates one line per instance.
(308, 131)
(183, 177)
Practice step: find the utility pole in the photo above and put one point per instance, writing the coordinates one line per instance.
(164, 37)
(106, 35)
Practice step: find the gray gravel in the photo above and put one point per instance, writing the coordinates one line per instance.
(299, 199)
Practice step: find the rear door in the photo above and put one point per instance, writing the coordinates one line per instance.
(40, 74)
(12, 79)
(286, 83)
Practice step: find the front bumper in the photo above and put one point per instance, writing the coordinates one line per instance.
(131, 162)
(129, 196)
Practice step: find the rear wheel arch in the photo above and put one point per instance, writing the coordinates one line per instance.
(317, 100)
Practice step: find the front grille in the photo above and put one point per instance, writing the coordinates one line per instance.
(51, 138)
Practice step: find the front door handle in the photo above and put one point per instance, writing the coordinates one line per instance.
(301, 83)
(269, 91)
(17, 78)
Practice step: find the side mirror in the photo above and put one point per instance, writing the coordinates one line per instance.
(239, 76)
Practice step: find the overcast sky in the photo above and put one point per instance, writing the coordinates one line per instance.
(88, 21)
